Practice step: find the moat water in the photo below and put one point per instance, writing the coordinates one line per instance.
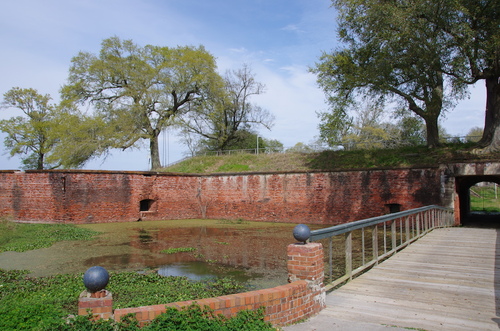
(253, 252)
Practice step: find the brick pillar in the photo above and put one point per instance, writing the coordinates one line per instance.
(99, 303)
(305, 262)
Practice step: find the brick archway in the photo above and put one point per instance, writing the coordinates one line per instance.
(463, 185)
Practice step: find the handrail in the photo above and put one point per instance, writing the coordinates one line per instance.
(343, 228)
(405, 227)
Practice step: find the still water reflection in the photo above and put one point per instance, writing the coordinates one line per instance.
(249, 251)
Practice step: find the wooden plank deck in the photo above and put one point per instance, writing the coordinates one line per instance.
(447, 280)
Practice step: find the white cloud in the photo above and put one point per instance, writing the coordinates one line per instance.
(292, 28)
(292, 96)
(239, 50)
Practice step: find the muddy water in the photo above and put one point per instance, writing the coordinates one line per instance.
(249, 251)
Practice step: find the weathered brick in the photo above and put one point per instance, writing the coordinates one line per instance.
(83, 196)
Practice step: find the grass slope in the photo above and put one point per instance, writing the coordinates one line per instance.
(330, 160)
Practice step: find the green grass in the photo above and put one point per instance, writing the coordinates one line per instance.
(26, 302)
(331, 160)
(21, 237)
(178, 250)
(487, 201)
(234, 168)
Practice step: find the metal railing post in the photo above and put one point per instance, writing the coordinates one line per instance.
(348, 254)
(375, 243)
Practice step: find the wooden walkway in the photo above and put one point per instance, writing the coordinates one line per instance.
(447, 280)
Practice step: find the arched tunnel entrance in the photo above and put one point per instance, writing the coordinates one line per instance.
(479, 202)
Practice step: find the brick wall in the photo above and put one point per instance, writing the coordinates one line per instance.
(319, 197)
(302, 298)
(283, 305)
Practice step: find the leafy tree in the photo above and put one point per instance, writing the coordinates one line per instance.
(243, 140)
(31, 135)
(138, 91)
(227, 115)
(474, 134)
(300, 148)
(367, 131)
(386, 55)
(49, 135)
(471, 36)
(247, 140)
(272, 145)
(334, 126)
(411, 129)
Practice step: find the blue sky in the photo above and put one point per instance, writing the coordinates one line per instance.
(279, 39)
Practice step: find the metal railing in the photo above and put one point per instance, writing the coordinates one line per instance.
(381, 236)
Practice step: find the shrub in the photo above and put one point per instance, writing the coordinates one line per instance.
(196, 318)
(190, 318)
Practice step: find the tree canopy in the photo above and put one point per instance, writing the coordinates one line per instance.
(386, 55)
(130, 94)
(30, 135)
(223, 119)
(425, 53)
(138, 91)
(471, 38)
(50, 135)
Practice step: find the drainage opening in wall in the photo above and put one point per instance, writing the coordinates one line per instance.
(146, 205)
(393, 207)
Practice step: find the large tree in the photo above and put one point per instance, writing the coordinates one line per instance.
(31, 135)
(454, 40)
(222, 120)
(139, 90)
(386, 55)
(470, 31)
(49, 135)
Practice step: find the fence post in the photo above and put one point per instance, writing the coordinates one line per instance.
(394, 239)
(375, 244)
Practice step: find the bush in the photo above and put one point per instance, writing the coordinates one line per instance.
(190, 318)
(196, 318)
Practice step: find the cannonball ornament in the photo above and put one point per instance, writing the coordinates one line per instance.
(95, 279)
(301, 232)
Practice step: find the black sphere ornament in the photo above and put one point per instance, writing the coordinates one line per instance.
(301, 233)
(95, 279)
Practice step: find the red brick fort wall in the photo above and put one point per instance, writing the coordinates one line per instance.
(80, 196)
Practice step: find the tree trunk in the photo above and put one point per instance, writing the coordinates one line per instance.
(39, 163)
(433, 107)
(431, 126)
(490, 142)
(155, 151)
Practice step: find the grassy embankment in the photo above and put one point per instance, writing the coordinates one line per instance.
(331, 160)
